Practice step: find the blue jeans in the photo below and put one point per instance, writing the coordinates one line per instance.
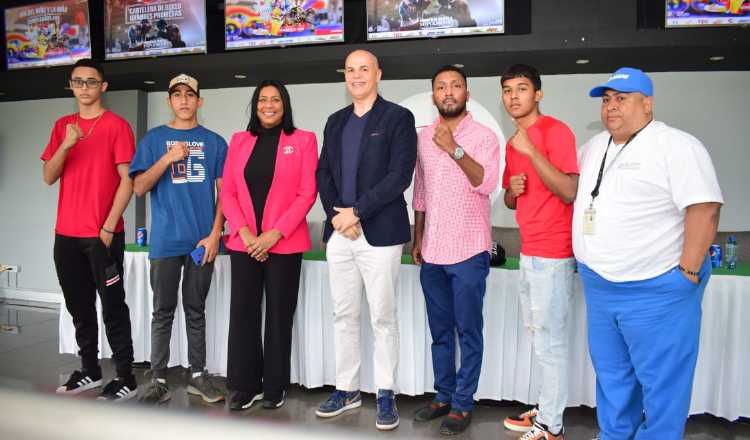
(454, 294)
(643, 339)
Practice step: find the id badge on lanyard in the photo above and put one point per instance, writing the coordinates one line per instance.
(589, 220)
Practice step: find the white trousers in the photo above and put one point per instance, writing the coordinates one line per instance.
(545, 292)
(353, 264)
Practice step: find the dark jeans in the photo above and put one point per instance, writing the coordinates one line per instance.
(165, 280)
(85, 266)
(255, 364)
(454, 295)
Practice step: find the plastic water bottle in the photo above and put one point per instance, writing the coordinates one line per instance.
(730, 254)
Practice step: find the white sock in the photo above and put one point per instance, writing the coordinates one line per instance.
(197, 374)
(161, 380)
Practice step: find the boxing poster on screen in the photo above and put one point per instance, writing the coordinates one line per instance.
(394, 19)
(700, 13)
(47, 34)
(144, 28)
(259, 23)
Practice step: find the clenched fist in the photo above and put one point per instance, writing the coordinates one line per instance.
(72, 134)
(517, 184)
(177, 152)
(443, 138)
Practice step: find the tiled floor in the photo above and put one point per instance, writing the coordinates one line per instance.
(29, 360)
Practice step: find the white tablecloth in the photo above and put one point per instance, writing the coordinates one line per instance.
(722, 384)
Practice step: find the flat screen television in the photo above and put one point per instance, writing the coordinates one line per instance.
(150, 28)
(263, 23)
(51, 33)
(395, 19)
(707, 13)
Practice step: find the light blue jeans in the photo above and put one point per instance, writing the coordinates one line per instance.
(545, 291)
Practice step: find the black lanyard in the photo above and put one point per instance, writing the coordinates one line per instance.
(595, 192)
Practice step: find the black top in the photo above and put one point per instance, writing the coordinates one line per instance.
(351, 139)
(260, 169)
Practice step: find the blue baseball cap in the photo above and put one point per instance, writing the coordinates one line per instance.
(627, 80)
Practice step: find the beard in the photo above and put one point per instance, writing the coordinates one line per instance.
(445, 112)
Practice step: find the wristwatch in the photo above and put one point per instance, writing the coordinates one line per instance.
(458, 153)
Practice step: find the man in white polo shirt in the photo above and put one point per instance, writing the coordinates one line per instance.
(645, 215)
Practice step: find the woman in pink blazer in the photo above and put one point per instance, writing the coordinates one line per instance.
(268, 188)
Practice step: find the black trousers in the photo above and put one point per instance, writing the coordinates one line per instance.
(85, 266)
(256, 364)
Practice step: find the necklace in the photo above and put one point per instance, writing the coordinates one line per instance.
(78, 120)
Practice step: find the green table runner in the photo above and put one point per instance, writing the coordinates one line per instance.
(743, 269)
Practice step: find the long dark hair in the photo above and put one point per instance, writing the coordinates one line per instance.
(287, 123)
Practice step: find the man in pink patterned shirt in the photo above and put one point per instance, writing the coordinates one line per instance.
(458, 163)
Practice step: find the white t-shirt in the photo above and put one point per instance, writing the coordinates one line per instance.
(640, 209)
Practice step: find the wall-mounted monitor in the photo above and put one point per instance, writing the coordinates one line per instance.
(395, 19)
(702, 13)
(148, 28)
(262, 23)
(47, 34)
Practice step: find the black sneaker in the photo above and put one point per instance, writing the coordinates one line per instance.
(243, 400)
(432, 411)
(119, 390)
(274, 403)
(455, 423)
(79, 382)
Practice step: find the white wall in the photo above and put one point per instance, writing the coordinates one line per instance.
(710, 105)
(28, 207)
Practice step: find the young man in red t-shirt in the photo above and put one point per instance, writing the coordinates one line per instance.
(540, 182)
(89, 152)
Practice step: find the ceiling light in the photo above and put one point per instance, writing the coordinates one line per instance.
(149, 82)
(716, 58)
(240, 76)
(340, 70)
(458, 65)
(582, 61)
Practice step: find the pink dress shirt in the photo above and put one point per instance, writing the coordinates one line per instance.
(457, 214)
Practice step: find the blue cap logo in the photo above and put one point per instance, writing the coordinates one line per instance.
(627, 80)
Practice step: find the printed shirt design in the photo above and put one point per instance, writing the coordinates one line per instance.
(193, 168)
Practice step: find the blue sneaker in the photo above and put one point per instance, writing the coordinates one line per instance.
(387, 417)
(339, 402)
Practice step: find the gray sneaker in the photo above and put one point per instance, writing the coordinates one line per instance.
(202, 386)
(155, 393)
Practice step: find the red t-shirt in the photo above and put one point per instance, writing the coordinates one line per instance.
(543, 219)
(89, 179)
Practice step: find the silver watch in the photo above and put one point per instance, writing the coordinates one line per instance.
(458, 153)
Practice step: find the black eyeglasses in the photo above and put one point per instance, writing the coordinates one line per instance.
(90, 83)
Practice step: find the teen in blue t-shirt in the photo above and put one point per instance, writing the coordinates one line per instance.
(181, 165)
(183, 198)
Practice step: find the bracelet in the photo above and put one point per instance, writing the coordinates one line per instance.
(689, 272)
(108, 231)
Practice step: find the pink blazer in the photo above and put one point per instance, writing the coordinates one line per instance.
(292, 194)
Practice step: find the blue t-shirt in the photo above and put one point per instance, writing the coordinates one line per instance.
(351, 140)
(183, 200)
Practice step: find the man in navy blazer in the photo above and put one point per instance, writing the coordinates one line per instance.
(366, 164)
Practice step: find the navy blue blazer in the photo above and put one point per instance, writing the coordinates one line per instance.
(387, 157)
